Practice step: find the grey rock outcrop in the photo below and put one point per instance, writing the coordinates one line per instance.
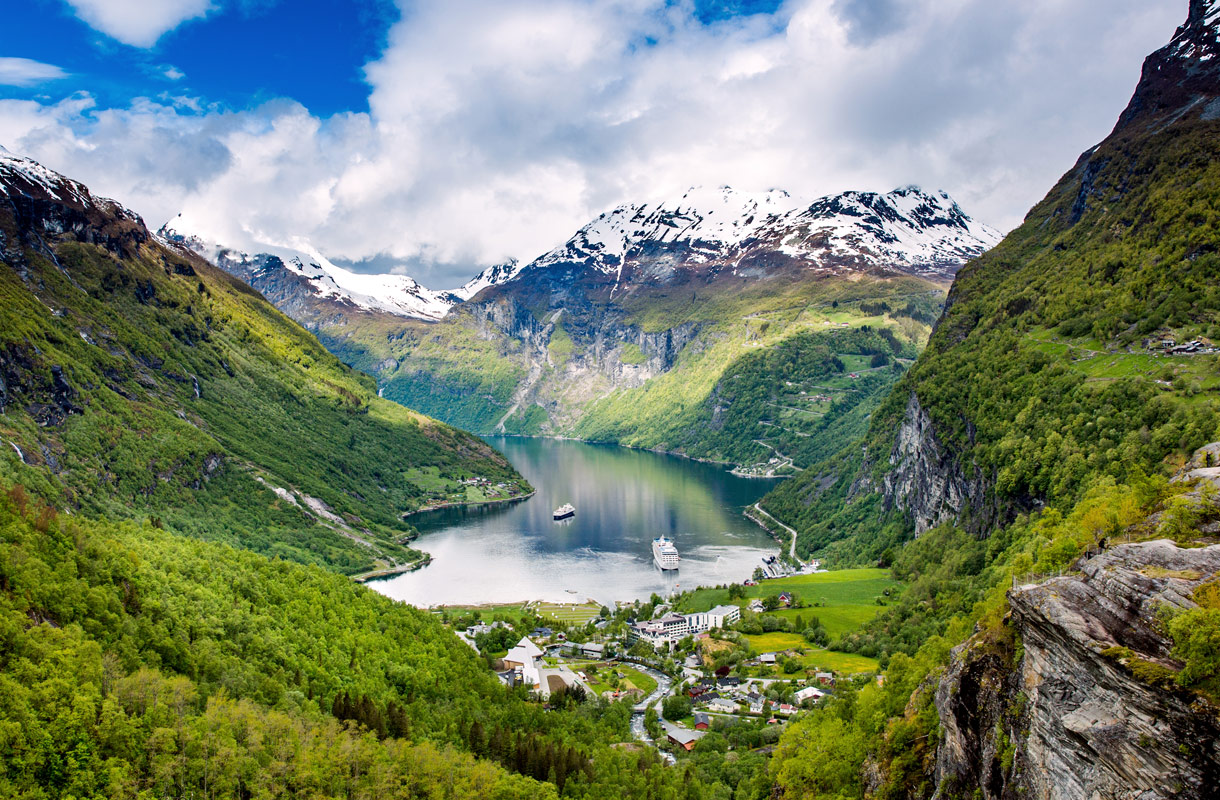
(1064, 715)
(929, 480)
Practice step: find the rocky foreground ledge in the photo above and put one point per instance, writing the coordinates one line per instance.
(1081, 707)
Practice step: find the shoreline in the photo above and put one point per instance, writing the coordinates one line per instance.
(735, 467)
(414, 566)
(788, 541)
(390, 572)
(464, 503)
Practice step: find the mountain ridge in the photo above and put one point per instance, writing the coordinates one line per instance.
(136, 365)
(851, 228)
(1071, 311)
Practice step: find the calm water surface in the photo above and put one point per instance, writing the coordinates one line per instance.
(624, 499)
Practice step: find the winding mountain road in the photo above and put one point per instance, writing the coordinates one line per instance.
(792, 548)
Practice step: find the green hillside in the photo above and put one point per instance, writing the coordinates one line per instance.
(1050, 367)
(729, 394)
(136, 663)
(147, 395)
(1072, 374)
(138, 381)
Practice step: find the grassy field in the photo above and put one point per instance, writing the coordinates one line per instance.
(573, 613)
(837, 618)
(1094, 359)
(638, 679)
(775, 642)
(848, 663)
(512, 612)
(843, 599)
(632, 677)
(812, 657)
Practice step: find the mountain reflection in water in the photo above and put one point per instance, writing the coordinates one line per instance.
(624, 499)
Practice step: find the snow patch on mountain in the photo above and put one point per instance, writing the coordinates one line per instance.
(1199, 38)
(395, 294)
(907, 229)
(708, 220)
(492, 276)
(20, 175)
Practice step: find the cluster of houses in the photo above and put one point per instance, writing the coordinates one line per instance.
(729, 695)
(671, 627)
(786, 600)
(475, 630)
(1173, 348)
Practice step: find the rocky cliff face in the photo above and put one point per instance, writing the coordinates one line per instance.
(929, 481)
(1073, 711)
(1064, 277)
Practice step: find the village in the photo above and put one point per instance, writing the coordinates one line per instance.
(742, 668)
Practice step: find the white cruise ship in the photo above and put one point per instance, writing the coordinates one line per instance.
(665, 554)
(564, 511)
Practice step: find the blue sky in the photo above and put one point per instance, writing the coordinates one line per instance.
(312, 51)
(437, 137)
(240, 56)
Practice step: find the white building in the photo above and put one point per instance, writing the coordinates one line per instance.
(675, 625)
(523, 659)
(668, 628)
(718, 617)
(808, 693)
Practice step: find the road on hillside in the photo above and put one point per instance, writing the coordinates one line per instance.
(792, 550)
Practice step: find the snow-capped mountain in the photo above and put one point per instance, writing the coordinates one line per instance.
(709, 232)
(907, 230)
(319, 277)
(492, 276)
(20, 175)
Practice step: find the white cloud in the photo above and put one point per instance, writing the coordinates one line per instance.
(26, 72)
(139, 23)
(173, 73)
(496, 129)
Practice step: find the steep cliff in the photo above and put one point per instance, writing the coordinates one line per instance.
(1085, 706)
(1086, 342)
(926, 479)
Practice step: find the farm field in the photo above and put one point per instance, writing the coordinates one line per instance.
(837, 618)
(774, 642)
(843, 599)
(574, 613)
(812, 657)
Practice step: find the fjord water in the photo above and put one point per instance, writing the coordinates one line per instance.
(624, 499)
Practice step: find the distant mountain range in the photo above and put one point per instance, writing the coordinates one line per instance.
(713, 230)
(625, 331)
(705, 231)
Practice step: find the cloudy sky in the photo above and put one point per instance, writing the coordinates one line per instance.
(440, 137)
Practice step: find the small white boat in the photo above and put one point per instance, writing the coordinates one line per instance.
(564, 511)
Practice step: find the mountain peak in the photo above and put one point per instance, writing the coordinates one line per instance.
(709, 229)
(492, 276)
(1199, 37)
(1182, 79)
(65, 204)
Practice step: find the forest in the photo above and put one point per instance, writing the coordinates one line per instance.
(139, 663)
